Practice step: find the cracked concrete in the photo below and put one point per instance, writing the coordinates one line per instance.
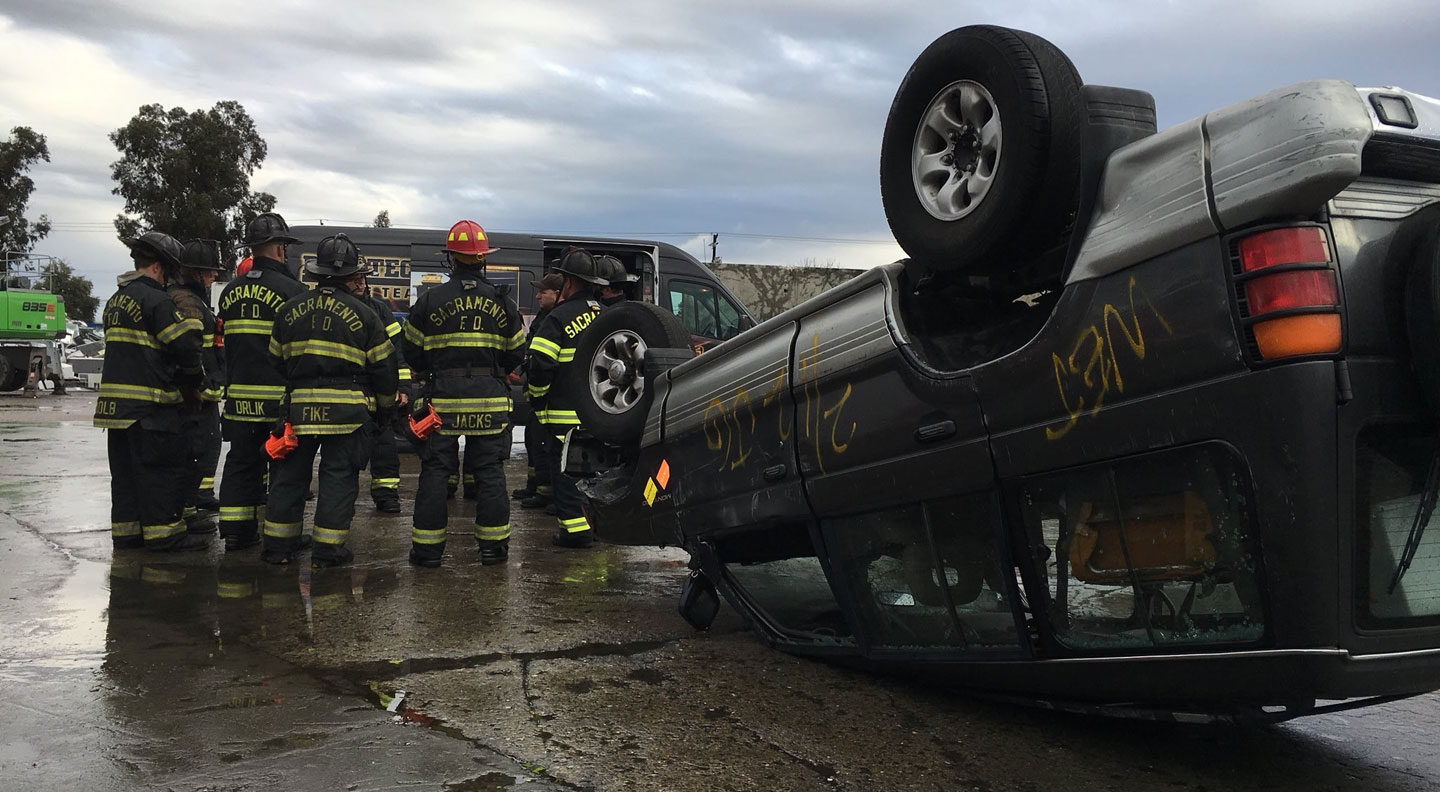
(561, 669)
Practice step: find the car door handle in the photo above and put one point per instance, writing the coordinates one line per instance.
(929, 433)
(773, 473)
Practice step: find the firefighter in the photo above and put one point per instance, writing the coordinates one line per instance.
(537, 490)
(384, 456)
(552, 395)
(340, 374)
(613, 271)
(190, 289)
(152, 367)
(465, 336)
(253, 387)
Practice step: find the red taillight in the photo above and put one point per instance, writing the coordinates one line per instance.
(1303, 288)
(1295, 289)
(1284, 246)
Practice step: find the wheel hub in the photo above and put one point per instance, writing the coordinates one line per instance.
(616, 384)
(956, 150)
(620, 373)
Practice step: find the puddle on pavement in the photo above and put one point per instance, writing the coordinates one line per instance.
(68, 633)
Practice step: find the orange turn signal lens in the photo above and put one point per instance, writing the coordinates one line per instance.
(1306, 334)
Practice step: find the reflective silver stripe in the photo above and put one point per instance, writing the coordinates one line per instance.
(249, 327)
(492, 533)
(483, 404)
(126, 335)
(125, 528)
(255, 391)
(237, 513)
(326, 429)
(574, 525)
(282, 530)
(178, 329)
(316, 346)
(234, 590)
(420, 536)
(331, 535)
(163, 531)
(545, 347)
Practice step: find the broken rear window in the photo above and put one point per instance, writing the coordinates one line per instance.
(1155, 550)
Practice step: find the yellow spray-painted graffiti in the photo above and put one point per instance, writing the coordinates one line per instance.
(729, 424)
(1085, 377)
(816, 413)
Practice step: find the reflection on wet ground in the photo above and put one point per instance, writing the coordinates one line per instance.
(559, 669)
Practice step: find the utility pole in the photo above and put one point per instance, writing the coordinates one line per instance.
(714, 248)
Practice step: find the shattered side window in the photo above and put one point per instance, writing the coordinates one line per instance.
(904, 598)
(1393, 470)
(777, 572)
(1150, 551)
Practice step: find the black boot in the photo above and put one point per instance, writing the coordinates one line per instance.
(522, 493)
(585, 538)
(200, 523)
(387, 501)
(283, 551)
(234, 542)
(329, 555)
(494, 552)
(425, 559)
(180, 543)
(128, 542)
(206, 501)
(536, 501)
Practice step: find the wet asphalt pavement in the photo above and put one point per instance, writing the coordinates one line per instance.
(563, 669)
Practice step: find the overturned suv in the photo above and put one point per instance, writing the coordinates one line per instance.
(1147, 421)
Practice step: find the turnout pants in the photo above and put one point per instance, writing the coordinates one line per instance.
(208, 456)
(439, 459)
(537, 447)
(202, 431)
(147, 484)
(342, 457)
(242, 488)
(569, 502)
(384, 466)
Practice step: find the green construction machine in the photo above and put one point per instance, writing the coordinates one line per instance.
(32, 320)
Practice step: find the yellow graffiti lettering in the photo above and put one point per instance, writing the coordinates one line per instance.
(1101, 365)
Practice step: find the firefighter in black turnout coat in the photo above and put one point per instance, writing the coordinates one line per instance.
(538, 490)
(464, 337)
(253, 387)
(553, 395)
(384, 456)
(190, 289)
(152, 366)
(340, 373)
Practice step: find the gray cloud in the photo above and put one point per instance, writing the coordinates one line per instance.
(651, 116)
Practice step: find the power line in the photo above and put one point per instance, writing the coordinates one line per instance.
(89, 227)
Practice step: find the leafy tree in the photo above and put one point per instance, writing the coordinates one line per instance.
(382, 220)
(24, 148)
(61, 278)
(188, 173)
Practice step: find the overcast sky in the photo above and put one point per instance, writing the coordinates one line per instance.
(636, 117)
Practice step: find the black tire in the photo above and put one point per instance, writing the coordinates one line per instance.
(614, 412)
(7, 372)
(1033, 156)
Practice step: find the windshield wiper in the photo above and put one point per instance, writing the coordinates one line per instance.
(1422, 519)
